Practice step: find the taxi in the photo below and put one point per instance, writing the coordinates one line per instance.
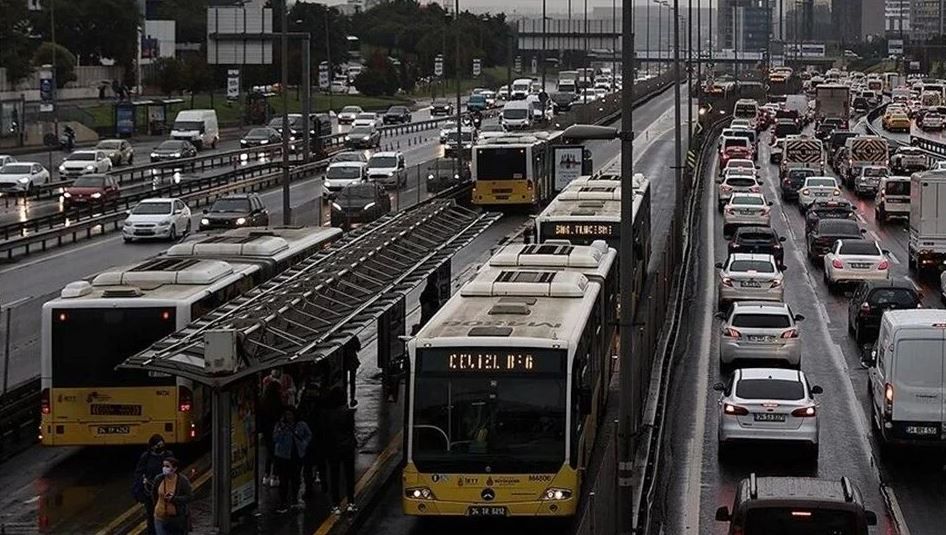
(896, 121)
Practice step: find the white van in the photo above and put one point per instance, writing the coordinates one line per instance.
(893, 198)
(197, 126)
(521, 88)
(517, 115)
(537, 108)
(907, 378)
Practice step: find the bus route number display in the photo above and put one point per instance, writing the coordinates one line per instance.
(583, 229)
(486, 361)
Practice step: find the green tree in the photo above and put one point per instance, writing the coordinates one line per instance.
(65, 65)
(381, 78)
(168, 75)
(190, 17)
(15, 46)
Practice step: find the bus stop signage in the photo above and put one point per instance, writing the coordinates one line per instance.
(477, 67)
(438, 66)
(567, 165)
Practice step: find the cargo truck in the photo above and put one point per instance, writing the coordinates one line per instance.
(927, 245)
(833, 101)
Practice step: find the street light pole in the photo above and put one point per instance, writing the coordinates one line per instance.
(614, 40)
(689, 74)
(677, 135)
(286, 208)
(544, 44)
(456, 22)
(658, 38)
(647, 16)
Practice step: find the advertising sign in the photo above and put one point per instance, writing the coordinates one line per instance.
(567, 162)
(535, 65)
(438, 65)
(124, 119)
(477, 68)
(517, 67)
(233, 84)
(895, 47)
(243, 445)
(47, 88)
(323, 75)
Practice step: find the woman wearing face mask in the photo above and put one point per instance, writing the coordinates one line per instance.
(171, 493)
(148, 468)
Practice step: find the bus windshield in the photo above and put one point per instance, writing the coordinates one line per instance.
(88, 343)
(501, 164)
(799, 521)
(488, 417)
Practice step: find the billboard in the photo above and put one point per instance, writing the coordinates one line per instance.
(157, 40)
(243, 445)
(233, 35)
(567, 164)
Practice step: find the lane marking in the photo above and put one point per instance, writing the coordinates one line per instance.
(893, 258)
(912, 282)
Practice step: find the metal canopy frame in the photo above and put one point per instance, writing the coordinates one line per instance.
(313, 309)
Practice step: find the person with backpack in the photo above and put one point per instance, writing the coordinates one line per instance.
(149, 467)
(172, 493)
(291, 440)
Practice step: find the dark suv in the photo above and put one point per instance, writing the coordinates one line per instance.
(871, 299)
(826, 232)
(236, 211)
(396, 115)
(839, 209)
(793, 181)
(757, 239)
(771, 505)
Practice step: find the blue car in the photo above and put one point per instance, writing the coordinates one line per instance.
(476, 103)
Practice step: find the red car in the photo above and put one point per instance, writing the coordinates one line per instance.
(735, 147)
(90, 189)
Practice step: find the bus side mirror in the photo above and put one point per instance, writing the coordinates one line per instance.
(870, 517)
(722, 514)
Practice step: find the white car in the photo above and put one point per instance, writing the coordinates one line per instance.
(740, 123)
(746, 209)
(749, 277)
(368, 119)
(735, 183)
(341, 174)
(741, 163)
(388, 169)
(157, 218)
(445, 129)
(940, 166)
(587, 94)
(348, 114)
(85, 162)
(22, 177)
(854, 261)
(768, 405)
(601, 92)
(817, 188)
(893, 198)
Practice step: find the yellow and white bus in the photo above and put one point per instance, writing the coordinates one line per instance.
(95, 325)
(514, 170)
(501, 397)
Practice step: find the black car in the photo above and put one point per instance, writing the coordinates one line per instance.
(235, 211)
(359, 203)
(442, 174)
(263, 136)
(827, 127)
(396, 115)
(837, 139)
(440, 108)
(468, 137)
(562, 101)
(860, 105)
(838, 209)
(363, 137)
(173, 149)
(871, 299)
(793, 181)
(757, 239)
(827, 231)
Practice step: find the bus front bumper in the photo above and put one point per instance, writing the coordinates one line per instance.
(551, 508)
(110, 433)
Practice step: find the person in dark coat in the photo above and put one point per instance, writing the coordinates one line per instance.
(291, 440)
(312, 405)
(339, 425)
(271, 410)
(172, 494)
(149, 467)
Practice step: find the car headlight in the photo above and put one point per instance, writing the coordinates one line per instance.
(264, 141)
(242, 142)
(155, 155)
(337, 206)
(328, 183)
(164, 223)
(90, 168)
(96, 195)
(205, 221)
(126, 223)
(62, 168)
(176, 155)
(67, 195)
(368, 206)
(292, 138)
(347, 138)
(241, 221)
(24, 180)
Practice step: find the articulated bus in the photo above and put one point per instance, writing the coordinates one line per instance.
(501, 402)
(514, 170)
(95, 325)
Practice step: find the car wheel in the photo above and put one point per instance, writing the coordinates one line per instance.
(131, 160)
(173, 234)
(187, 229)
(812, 453)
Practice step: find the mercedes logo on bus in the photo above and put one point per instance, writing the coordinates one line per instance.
(488, 494)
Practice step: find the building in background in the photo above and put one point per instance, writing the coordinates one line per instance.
(926, 19)
(744, 25)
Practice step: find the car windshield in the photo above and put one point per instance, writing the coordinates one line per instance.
(348, 157)
(821, 183)
(760, 321)
(89, 182)
(351, 109)
(152, 208)
(760, 266)
(16, 169)
(358, 192)
(81, 156)
(361, 130)
(756, 237)
(492, 128)
(749, 200)
(796, 174)
(899, 297)
(770, 389)
(189, 125)
(741, 181)
(343, 172)
(109, 145)
(897, 187)
(452, 136)
(515, 113)
(735, 142)
(258, 132)
(231, 205)
(171, 145)
(382, 161)
(397, 110)
(875, 171)
(800, 521)
(858, 247)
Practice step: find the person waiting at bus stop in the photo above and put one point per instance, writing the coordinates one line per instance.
(339, 424)
(172, 493)
(313, 402)
(148, 468)
(291, 440)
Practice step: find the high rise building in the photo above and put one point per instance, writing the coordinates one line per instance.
(744, 25)
(897, 17)
(927, 19)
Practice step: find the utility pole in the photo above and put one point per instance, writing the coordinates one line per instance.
(544, 46)
(689, 74)
(628, 422)
(328, 58)
(585, 31)
(614, 41)
(699, 44)
(286, 208)
(647, 32)
(658, 38)
(52, 31)
(456, 22)
(677, 134)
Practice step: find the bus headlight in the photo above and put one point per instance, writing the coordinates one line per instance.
(554, 494)
(419, 493)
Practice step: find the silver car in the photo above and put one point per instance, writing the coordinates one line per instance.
(768, 405)
(733, 183)
(818, 188)
(759, 331)
(749, 277)
(746, 209)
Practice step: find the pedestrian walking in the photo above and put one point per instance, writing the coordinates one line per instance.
(271, 410)
(351, 365)
(149, 467)
(340, 427)
(290, 441)
(312, 405)
(172, 493)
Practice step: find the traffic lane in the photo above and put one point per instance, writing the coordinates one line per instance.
(844, 432)
(916, 478)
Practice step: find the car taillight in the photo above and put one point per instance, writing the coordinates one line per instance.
(529, 184)
(727, 282)
(185, 399)
(726, 187)
(805, 412)
(44, 401)
(883, 265)
(837, 192)
(729, 210)
(806, 191)
(734, 410)
(790, 333)
(755, 189)
(776, 283)
(731, 333)
(865, 307)
(837, 264)
(888, 399)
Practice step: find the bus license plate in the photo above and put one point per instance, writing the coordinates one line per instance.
(113, 430)
(486, 510)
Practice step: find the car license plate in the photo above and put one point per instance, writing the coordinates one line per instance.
(859, 265)
(922, 430)
(768, 417)
(112, 429)
(756, 338)
(750, 284)
(486, 510)
(821, 194)
(746, 212)
(144, 233)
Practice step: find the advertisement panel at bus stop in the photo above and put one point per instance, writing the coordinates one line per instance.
(243, 446)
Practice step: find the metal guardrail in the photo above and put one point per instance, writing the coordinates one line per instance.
(18, 416)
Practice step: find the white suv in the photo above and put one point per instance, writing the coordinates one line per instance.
(387, 169)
